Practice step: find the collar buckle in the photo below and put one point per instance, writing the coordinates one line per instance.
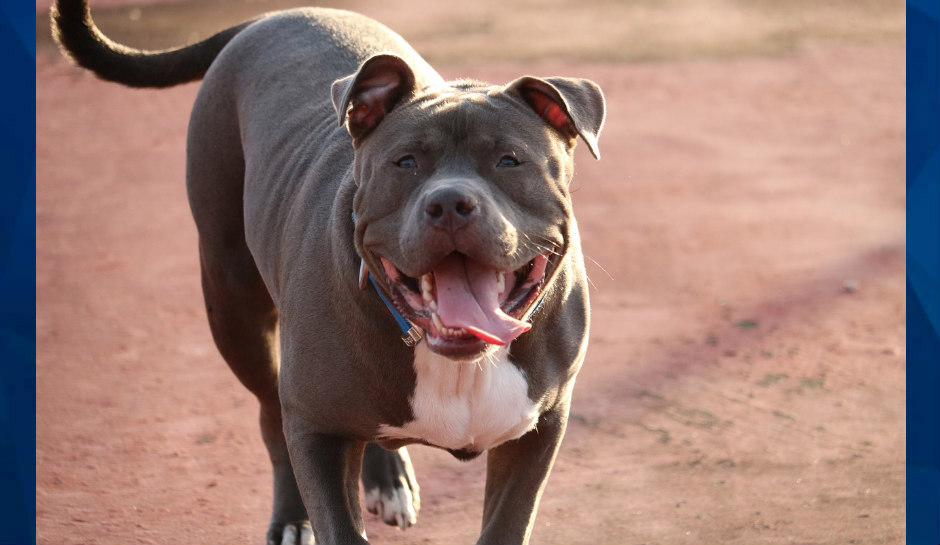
(412, 337)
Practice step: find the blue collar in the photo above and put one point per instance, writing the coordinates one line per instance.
(411, 335)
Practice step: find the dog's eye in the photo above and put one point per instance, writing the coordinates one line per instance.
(507, 161)
(407, 161)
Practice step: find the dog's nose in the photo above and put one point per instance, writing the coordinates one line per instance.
(451, 208)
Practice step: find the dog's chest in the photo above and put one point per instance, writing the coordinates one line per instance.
(472, 406)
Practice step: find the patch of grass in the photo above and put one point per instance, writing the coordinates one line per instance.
(813, 383)
(648, 394)
(698, 418)
(583, 420)
(747, 324)
(726, 463)
(664, 436)
(771, 378)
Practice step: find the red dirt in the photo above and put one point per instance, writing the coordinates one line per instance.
(745, 381)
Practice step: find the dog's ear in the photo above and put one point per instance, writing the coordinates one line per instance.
(363, 99)
(574, 107)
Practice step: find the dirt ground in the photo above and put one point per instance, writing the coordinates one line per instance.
(745, 231)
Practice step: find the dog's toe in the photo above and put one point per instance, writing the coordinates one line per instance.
(292, 533)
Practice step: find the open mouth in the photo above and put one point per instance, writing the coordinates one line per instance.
(462, 304)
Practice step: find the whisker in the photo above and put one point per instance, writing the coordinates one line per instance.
(547, 247)
(599, 266)
(591, 282)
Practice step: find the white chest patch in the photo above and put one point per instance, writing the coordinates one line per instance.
(471, 405)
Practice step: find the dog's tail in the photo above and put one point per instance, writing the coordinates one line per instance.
(82, 41)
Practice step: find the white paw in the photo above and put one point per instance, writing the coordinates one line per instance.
(297, 534)
(396, 507)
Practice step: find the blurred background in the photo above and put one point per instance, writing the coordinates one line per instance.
(519, 30)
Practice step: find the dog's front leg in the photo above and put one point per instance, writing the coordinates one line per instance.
(327, 468)
(515, 477)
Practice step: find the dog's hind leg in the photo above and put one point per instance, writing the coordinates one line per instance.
(243, 321)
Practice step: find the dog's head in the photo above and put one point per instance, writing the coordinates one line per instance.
(462, 206)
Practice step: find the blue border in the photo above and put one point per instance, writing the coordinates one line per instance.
(923, 272)
(18, 275)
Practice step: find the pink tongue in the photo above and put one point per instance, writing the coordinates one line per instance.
(467, 297)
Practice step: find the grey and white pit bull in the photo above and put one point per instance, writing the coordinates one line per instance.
(346, 195)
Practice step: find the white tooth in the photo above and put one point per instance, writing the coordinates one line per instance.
(426, 287)
(432, 304)
(501, 283)
(437, 321)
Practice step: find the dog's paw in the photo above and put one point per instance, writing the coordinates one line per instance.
(391, 490)
(292, 533)
(395, 507)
